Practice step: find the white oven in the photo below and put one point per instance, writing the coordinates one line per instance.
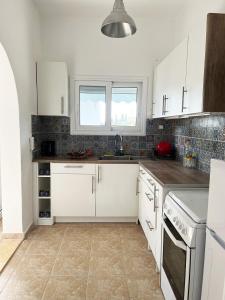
(182, 249)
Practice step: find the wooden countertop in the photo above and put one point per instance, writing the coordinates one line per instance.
(90, 160)
(166, 172)
(169, 173)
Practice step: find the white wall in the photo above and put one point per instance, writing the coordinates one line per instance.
(194, 16)
(19, 34)
(87, 51)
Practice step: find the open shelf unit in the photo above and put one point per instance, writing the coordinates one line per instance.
(42, 196)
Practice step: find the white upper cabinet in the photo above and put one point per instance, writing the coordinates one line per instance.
(193, 100)
(52, 85)
(195, 73)
(160, 83)
(176, 78)
(170, 76)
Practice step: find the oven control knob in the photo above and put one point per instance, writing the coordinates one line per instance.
(178, 222)
(174, 219)
(169, 211)
(184, 231)
(181, 227)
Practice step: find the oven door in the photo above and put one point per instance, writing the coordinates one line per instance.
(175, 263)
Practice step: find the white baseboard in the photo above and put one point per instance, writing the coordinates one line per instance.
(21, 235)
(96, 219)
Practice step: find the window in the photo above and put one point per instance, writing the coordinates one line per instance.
(92, 105)
(109, 107)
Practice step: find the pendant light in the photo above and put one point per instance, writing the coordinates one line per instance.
(118, 24)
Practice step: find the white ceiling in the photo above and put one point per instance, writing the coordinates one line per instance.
(100, 8)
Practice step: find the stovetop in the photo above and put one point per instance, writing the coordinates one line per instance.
(194, 202)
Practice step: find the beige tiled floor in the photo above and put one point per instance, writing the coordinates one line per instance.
(82, 261)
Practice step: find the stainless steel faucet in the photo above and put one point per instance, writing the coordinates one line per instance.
(119, 145)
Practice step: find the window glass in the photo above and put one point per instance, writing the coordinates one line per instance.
(124, 106)
(92, 105)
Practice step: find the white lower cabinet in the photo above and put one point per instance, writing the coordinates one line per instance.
(89, 190)
(116, 190)
(73, 195)
(150, 212)
(73, 190)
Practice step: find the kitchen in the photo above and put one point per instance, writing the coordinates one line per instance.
(116, 138)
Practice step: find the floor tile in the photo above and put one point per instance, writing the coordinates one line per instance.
(9, 270)
(144, 287)
(106, 247)
(139, 265)
(108, 288)
(41, 265)
(69, 247)
(106, 265)
(66, 287)
(71, 266)
(72, 233)
(135, 247)
(26, 286)
(43, 247)
(82, 261)
(46, 233)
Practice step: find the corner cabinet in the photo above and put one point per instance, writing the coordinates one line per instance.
(52, 89)
(190, 80)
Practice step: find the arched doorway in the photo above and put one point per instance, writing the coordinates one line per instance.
(10, 150)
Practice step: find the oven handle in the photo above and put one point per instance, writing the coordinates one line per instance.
(176, 242)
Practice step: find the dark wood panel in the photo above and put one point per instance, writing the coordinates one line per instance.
(214, 76)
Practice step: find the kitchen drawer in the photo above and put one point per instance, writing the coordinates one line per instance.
(150, 181)
(72, 168)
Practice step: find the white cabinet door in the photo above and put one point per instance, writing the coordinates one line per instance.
(159, 90)
(193, 101)
(169, 83)
(52, 85)
(73, 195)
(176, 76)
(214, 270)
(116, 190)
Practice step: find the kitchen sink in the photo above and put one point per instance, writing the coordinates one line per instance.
(115, 157)
(122, 157)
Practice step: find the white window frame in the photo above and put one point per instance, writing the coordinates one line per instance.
(108, 82)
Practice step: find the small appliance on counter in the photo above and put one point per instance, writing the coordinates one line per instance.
(164, 150)
(48, 148)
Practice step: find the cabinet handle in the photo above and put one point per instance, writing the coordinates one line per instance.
(92, 185)
(183, 94)
(137, 185)
(163, 104)
(148, 196)
(98, 173)
(73, 167)
(155, 190)
(62, 105)
(150, 226)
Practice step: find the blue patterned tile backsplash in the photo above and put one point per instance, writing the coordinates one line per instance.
(206, 135)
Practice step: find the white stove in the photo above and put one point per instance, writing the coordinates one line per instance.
(184, 227)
